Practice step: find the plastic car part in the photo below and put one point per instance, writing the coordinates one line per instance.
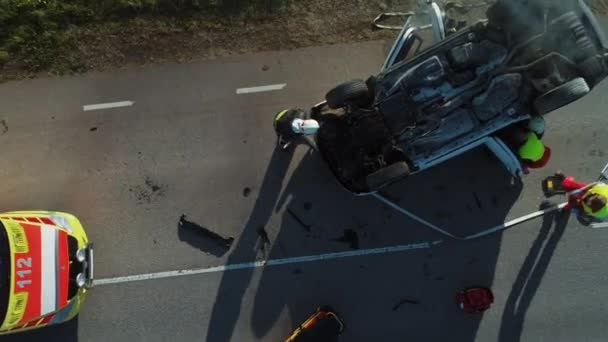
(387, 175)
(501, 93)
(561, 96)
(354, 91)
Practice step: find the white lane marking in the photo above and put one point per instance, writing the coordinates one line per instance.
(48, 276)
(266, 263)
(107, 105)
(261, 89)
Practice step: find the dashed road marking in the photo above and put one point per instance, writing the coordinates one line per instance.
(260, 89)
(109, 105)
(266, 263)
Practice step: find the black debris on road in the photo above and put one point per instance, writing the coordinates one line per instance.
(246, 192)
(351, 237)
(149, 192)
(402, 302)
(299, 220)
(307, 206)
(263, 235)
(209, 235)
(4, 126)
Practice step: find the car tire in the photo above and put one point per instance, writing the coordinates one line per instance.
(355, 91)
(593, 70)
(584, 46)
(561, 96)
(387, 175)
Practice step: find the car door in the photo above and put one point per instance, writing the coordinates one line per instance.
(424, 25)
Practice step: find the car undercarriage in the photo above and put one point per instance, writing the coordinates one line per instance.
(529, 58)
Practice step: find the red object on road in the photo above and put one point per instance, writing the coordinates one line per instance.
(475, 300)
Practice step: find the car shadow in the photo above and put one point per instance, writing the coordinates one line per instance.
(530, 276)
(66, 332)
(399, 296)
(227, 307)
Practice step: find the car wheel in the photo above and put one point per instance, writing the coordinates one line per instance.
(561, 96)
(593, 69)
(387, 175)
(355, 91)
(584, 46)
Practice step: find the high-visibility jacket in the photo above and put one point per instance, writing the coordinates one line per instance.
(598, 189)
(533, 149)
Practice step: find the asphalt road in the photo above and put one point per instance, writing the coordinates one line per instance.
(190, 145)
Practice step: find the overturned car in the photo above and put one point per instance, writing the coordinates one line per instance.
(529, 58)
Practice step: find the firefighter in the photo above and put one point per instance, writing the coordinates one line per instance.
(588, 200)
(292, 123)
(526, 142)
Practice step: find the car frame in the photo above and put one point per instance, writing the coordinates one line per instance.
(383, 89)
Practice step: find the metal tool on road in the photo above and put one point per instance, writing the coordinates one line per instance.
(323, 326)
(483, 233)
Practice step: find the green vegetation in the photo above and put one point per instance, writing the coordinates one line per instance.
(35, 33)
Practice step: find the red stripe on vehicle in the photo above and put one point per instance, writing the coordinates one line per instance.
(46, 320)
(47, 220)
(63, 269)
(18, 327)
(18, 219)
(32, 219)
(27, 271)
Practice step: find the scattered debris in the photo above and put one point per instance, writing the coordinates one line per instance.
(307, 206)
(92, 129)
(246, 192)
(443, 215)
(155, 242)
(440, 188)
(150, 184)
(439, 278)
(4, 126)
(306, 227)
(426, 270)
(402, 302)
(351, 237)
(226, 243)
(265, 68)
(495, 201)
(148, 193)
(477, 201)
(263, 235)
(297, 271)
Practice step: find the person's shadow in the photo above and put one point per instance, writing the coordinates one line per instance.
(404, 295)
(530, 276)
(233, 285)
